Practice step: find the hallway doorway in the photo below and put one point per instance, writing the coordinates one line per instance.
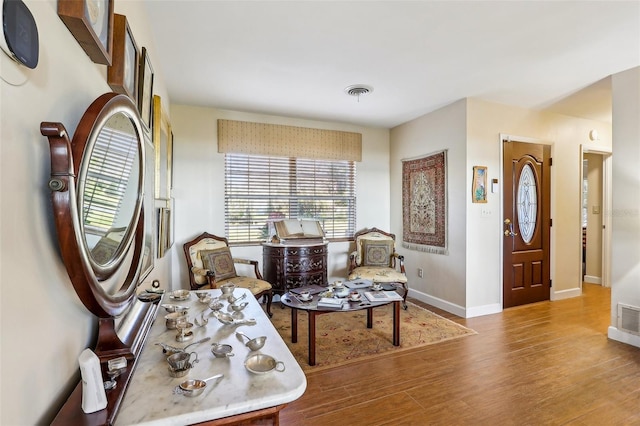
(595, 214)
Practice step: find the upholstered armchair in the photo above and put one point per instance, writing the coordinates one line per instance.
(374, 258)
(210, 263)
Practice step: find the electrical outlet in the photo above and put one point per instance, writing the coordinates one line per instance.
(419, 272)
(485, 212)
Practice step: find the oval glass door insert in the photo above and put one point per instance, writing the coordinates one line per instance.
(527, 203)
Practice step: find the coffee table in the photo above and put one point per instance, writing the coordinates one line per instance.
(311, 307)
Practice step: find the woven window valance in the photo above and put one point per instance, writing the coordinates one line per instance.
(244, 137)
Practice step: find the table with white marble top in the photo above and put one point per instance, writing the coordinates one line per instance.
(150, 398)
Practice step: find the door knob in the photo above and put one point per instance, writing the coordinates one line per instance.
(509, 231)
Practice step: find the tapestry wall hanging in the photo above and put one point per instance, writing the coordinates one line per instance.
(424, 203)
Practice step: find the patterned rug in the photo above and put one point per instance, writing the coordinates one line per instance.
(343, 337)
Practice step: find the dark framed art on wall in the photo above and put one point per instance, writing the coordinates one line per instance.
(122, 74)
(145, 88)
(91, 23)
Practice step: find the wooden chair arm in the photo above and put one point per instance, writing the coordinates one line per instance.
(400, 261)
(256, 270)
(352, 261)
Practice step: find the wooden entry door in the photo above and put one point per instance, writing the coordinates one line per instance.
(527, 187)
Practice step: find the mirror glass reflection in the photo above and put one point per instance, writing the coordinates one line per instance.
(109, 184)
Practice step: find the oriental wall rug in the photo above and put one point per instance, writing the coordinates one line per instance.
(343, 337)
(424, 203)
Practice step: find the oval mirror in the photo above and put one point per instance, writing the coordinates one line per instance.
(109, 188)
(96, 184)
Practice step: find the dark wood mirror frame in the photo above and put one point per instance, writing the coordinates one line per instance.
(88, 276)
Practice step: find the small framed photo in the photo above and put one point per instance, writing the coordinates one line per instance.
(479, 186)
(122, 75)
(145, 88)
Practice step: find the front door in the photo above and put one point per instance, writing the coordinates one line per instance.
(527, 186)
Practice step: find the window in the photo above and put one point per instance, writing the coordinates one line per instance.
(259, 189)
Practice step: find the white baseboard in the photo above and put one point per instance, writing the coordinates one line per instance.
(624, 337)
(438, 303)
(592, 280)
(455, 309)
(478, 311)
(566, 294)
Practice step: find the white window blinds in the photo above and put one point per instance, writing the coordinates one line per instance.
(259, 189)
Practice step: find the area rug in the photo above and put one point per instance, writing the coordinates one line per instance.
(343, 337)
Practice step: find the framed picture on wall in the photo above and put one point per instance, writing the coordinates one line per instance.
(122, 75)
(479, 185)
(149, 247)
(163, 145)
(91, 23)
(165, 230)
(145, 88)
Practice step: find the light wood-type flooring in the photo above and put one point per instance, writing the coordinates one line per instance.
(548, 363)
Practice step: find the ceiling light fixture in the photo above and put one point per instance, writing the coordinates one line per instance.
(358, 90)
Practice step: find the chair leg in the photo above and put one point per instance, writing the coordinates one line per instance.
(269, 297)
(404, 297)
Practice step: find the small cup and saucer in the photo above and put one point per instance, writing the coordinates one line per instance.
(376, 286)
(305, 296)
(354, 296)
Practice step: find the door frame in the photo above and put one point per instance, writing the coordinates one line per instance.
(607, 205)
(514, 138)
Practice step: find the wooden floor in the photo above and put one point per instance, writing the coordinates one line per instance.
(549, 363)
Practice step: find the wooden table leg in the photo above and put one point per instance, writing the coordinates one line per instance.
(396, 323)
(312, 337)
(369, 317)
(294, 325)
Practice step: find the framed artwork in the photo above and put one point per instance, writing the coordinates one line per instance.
(479, 185)
(164, 146)
(171, 230)
(145, 88)
(164, 228)
(91, 23)
(424, 203)
(149, 247)
(122, 74)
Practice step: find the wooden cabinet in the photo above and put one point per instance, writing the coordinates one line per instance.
(289, 266)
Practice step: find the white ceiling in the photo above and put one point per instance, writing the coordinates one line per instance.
(295, 58)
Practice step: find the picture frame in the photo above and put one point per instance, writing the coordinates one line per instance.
(91, 23)
(150, 229)
(171, 223)
(122, 74)
(145, 88)
(163, 144)
(165, 231)
(479, 185)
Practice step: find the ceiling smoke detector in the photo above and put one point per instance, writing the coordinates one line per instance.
(358, 90)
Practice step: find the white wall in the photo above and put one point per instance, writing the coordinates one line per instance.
(44, 326)
(199, 182)
(443, 282)
(625, 264)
